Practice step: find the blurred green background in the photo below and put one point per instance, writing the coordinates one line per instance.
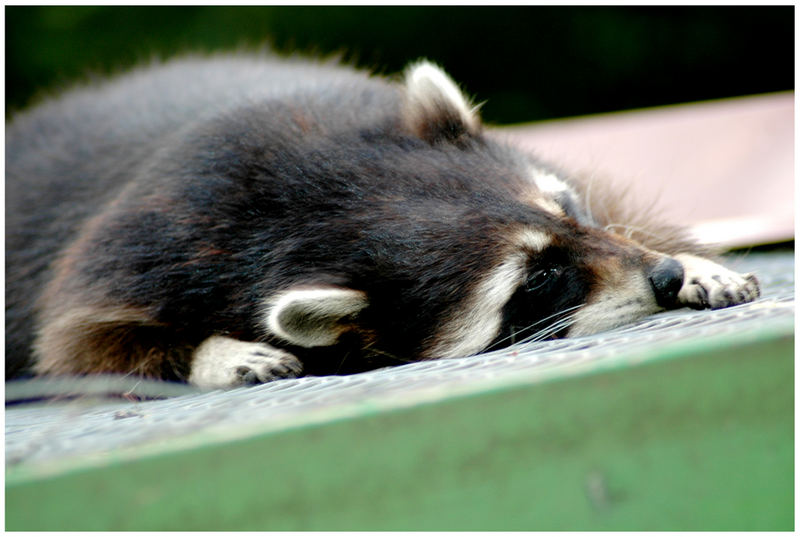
(528, 63)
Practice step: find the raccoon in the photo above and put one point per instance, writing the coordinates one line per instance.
(234, 219)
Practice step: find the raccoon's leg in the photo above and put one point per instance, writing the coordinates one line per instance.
(709, 285)
(94, 341)
(305, 316)
(118, 340)
(223, 362)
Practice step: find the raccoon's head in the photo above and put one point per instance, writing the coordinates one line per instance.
(470, 246)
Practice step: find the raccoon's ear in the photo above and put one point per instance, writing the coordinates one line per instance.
(434, 108)
(312, 316)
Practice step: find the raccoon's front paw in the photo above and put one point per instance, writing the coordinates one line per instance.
(709, 285)
(222, 362)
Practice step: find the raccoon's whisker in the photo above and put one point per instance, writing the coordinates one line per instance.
(550, 330)
(587, 195)
(546, 333)
(373, 350)
(565, 311)
(341, 363)
(553, 328)
(588, 203)
(630, 230)
(514, 332)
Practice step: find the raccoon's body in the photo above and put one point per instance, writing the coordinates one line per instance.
(236, 219)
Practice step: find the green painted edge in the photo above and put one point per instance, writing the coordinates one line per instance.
(705, 442)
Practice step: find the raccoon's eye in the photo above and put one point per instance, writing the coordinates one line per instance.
(541, 278)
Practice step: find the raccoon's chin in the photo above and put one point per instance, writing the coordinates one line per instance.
(600, 317)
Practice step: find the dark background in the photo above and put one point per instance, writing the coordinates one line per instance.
(528, 63)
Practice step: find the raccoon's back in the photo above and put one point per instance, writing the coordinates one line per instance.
(72, 154)
(95, 133)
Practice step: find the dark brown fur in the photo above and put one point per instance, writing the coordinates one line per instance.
(170, 205)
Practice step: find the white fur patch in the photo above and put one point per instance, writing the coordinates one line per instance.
(472, 329)
(549, 183)
(312, 317)
(533, 241)
(223, 362)
(628, 299)
(429, 87)
(550, 206)
(544, 189)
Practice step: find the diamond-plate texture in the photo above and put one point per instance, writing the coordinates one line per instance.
(85, 427)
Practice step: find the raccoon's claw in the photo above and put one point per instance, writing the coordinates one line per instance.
(266, 372)
(708, 285)
(260, 367)
(221, 362)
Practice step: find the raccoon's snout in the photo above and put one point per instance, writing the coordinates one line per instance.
(666, 278)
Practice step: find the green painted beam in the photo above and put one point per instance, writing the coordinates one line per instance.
(701, 441)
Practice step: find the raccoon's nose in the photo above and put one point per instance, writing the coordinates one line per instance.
(666, 278)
